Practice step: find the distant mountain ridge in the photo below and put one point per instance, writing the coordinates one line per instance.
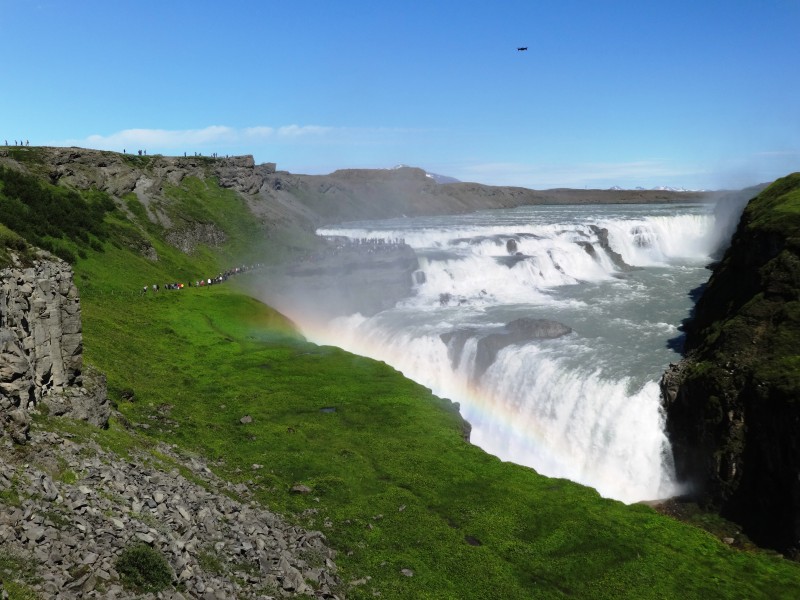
(435, 176)
(309, 201)
(659, 188)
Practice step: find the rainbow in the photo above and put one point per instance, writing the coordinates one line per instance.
(514, 430)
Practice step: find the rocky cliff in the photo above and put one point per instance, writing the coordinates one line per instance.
(143, 187)
(733, 404)
(41, 349)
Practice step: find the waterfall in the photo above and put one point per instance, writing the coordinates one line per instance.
(585, 405)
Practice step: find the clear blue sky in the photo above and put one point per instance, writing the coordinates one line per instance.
(701, 93)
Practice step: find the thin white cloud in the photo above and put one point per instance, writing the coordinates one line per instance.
(297, 130)
(598, 174)
(162, 138)
(217, 135)
(214, 135)
(259, 132)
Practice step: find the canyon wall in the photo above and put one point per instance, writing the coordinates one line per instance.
(733, 403)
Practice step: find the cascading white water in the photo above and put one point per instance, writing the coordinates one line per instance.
(584, 406)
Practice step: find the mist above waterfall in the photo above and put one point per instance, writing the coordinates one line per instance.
(548, 324)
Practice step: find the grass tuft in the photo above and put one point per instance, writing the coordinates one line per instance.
(143, 569)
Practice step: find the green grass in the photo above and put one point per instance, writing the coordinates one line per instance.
(777, 209)
(56, 219)
(394, 485)
(203, 201)
(12, 242)
(213, 356)
(17, 574)
(24, 154)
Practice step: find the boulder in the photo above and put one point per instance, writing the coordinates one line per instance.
(18, 423)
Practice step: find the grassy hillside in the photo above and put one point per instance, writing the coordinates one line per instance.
(414, 510)
(393, 484)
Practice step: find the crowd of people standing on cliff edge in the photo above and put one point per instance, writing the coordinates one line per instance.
(220, 278)
(124, 150)
(144, 152)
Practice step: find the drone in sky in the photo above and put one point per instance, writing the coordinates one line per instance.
(522, 49)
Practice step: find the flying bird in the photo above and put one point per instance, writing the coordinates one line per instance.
(522, 49)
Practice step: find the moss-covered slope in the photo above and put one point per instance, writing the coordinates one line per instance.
(733, 406)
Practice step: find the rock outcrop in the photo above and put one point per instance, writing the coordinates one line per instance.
(733, 404)
(120, 174)
(188, 238)
(150, 180)
(41, 349)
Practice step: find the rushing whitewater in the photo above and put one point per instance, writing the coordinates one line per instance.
(584, 406)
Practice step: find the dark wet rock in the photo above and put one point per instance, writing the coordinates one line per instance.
(588, 247)
(455, 342)
(511, 261)
(517, 332)
(472, 540)
(616, 258)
